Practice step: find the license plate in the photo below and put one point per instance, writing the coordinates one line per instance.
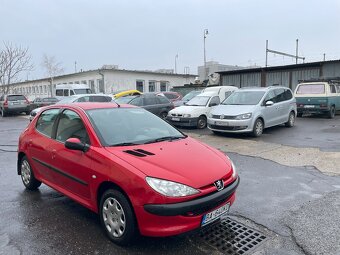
(221, 123)
(309, 106)
(15, 103)
(214, 215)
(176, 119)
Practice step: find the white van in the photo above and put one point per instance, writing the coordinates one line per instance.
(65, 90)
(195, 112)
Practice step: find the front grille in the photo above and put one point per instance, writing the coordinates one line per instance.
(228, 127)
(224, 117)
(176, 114)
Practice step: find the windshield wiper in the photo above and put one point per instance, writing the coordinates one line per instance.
(165, 138)
(124, 144)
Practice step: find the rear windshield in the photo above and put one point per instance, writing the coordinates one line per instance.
(50, 100)
(82, 91)
(311, 89)
(15, 98)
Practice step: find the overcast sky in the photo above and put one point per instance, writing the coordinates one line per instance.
(147, 34)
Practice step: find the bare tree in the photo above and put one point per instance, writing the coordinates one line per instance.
(14, 60)
(52, 67)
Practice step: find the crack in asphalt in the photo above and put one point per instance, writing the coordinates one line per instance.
(302, 249)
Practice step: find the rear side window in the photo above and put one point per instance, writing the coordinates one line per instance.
(66, 93)
(171, 96)
(59, 92)
(332, 88)
(15, 98)
(99, 99)
(137, 101)
(163, 100)
(46, 121)
(71, 92)
(280, 95)
(151, 101)
(311, 89)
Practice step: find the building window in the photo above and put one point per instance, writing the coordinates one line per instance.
(91, 83)
(45, 89)
(100, 85)
(140, 86)
(77, 82)
(163, 86)
(83, 82)
(152, 86)
(40, 90)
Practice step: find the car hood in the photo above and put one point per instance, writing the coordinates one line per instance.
(185, 161)
(186, 109)
(232, 110)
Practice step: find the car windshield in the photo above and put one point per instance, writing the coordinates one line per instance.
(130, 126)
(311, 89)
(15, 98)
(67, 100)
(124, 100)
(190, 95)
(199, 101)
(244, 98)
(82, 91)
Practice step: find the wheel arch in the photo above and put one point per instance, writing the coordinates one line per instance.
(20, 156)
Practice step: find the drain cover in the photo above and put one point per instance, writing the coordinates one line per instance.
(232, 237)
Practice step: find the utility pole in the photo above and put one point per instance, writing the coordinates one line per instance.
(324, 57)
(296, 56)
(205, 33)
(75, 66)
(176, 57)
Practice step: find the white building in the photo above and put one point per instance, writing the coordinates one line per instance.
(106, 80)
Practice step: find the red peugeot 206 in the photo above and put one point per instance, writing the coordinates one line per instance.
(140, 174)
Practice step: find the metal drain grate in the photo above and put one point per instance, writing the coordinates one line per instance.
(232, 237)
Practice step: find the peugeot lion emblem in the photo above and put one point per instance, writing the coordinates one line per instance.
(219, 185)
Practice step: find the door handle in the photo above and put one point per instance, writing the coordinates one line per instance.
(30, 142)
(53, 153)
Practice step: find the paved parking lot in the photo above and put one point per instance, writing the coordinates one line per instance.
(284, 194)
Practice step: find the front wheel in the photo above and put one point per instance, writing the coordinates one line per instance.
(201, 122)
(291, 120)
(331, 113)
(258, 128)
(117, 217)
(27, 175)
(163, 115)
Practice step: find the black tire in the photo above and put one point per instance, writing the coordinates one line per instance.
(27, 113)
(258, 128)
(163, 115)
(3, 114)
(291, 120)
(202, 122)
(125, 231)
(331, 113)
(27, 175)
(299, 114)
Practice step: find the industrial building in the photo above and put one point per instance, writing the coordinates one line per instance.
(288, 75)
(107, 80)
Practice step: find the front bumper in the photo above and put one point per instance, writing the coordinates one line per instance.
(174, 219)
(315, 110)
(183, 122)
(231, 125)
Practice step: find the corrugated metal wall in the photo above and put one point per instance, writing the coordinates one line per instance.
(304, 75)
(231, 80)
(251, 80)
(331, 70)
(277, 78)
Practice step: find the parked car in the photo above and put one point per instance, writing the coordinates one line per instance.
(187, 97)
(253, 109)
(172, 96)
(77, 99)
(14, 103)
(131, 92)
(118, 161)
(40, 102)
(318, 98)
(157, 104)
(195, 112)
(65, 90)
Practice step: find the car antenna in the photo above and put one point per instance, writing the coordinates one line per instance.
(117, 104)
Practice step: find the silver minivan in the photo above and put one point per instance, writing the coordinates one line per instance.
(250, 110)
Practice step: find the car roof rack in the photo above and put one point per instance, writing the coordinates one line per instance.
(333, 80)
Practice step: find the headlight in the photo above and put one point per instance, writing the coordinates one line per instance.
(210, 115)
(186, 115)
(234, 174)
(243, 116)
(169, 188)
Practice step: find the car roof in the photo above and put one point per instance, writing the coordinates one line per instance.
(262, 88)
(92, 105)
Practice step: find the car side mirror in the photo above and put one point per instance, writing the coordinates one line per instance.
(269, 103)
(76, 144)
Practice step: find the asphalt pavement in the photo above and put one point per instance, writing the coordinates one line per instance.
(297, 208)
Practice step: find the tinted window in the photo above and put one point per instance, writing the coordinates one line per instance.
(138, 101)
(288, 94)
(71, 126)
(163, 100)
(15, 98)
(151, 101)
(99, 99)
(270, 97)
(332, 87)
(215, 101)
(83, 99)
(171, 96)
(59, 92)
(71, 93)
(46, 121)
(66, 93)
(82, 91)
(280, 95)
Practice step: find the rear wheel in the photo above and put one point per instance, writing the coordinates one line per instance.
(201, 122)
(117, 217)
(27, 175)
(258, 128)
(331, 113)
(291, 120)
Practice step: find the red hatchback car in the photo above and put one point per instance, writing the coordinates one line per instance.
(140, 174)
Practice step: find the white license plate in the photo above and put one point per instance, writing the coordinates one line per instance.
(221, 123)
(309, 106)
(176, 119)
(214, 215)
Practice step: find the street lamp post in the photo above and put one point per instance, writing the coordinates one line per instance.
(176, 57)
(205, 33)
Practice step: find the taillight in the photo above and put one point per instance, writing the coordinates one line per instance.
(6, 103)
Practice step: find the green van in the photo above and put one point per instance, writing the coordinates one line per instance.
(317, 98)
